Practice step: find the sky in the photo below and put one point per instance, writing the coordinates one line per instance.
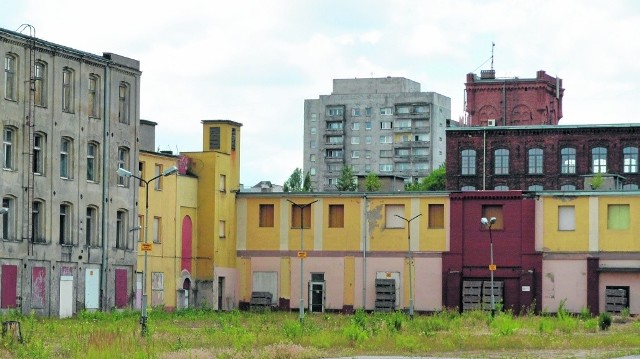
(256, 61)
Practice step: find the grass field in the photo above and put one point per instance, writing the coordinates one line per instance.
(210, 334)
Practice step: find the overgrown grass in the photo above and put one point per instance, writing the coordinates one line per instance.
(211, 334)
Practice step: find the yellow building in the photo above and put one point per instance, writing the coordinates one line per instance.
(350, 248)
(590, 242)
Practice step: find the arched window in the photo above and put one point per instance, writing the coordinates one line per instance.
(66, 158)
(93, 100)
(568, 160)
(630, 159)
(67, 90)
(65, 231)
(40, 84)
(123, 103)
(468, 163)
(10, 90)
(568, 187)
(535, 161)
(501, 161)
(599, 159)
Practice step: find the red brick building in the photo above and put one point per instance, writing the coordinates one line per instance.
(465, 267)
(492, 101)
(543, 157)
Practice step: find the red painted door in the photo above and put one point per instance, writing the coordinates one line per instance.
(9, 282)
(186, 244)
(121, 288)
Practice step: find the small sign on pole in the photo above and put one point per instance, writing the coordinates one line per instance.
(302, 254)
(146, 247)
(492, 267)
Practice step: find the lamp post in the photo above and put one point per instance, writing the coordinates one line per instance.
(124, 173)
(301, 255)
(410, 261)
(492, 267)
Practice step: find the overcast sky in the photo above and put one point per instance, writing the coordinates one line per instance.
(255, 62)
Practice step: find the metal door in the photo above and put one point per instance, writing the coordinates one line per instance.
(9, 281)
(66, 296)
(316, 297)
(92, 288)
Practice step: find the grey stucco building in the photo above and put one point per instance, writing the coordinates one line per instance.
(382, 125)
(68, 119)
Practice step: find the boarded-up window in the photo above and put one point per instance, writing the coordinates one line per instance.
(618, 216)
(393, 212)
(157, 289)
(436, 216)
(157, 230)
(494, 211)
(295, 216)
(222, 231)
(223, 183)
(214, 138)
(266, 215)
(233, 138)
(566, 218)
(336, 216)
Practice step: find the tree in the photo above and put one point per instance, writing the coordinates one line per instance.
(372, 182)
(436, 181)
(346, 180)
(294, 183)
(306, 186)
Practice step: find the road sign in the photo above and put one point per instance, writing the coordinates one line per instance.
(302, 254)
(492, 267)
(146, 247)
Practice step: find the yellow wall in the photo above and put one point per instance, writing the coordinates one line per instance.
(342, 239)
(565, 241)
(619, 240)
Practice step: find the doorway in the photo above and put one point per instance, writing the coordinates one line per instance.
(317, 293)
(220, 292)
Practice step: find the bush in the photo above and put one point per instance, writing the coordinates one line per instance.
(604, 320)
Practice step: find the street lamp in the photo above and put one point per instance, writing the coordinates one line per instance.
(410, 261)
(301, 254)
(492, 267)
(124, 173)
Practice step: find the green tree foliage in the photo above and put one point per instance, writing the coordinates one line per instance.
(306, 186)
(436, 181)
(346, 180)
(372, 182)
(294, 183)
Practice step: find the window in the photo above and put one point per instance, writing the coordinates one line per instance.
(468, 164)
(334, 153)
(93, 100)
(140, 227)
(391, 212)
(90, 227)
(630, 159)
(599, 159)
(314, 117)
(368, 140)
(123, 162)
(367, 167)
(141, 172)
(334, 140)
(38, 155)
(66, 158)
(386, 139)
(386, 111)
(367, 125)
(355, 140)
(420, 124)
(334, 167)
(386, 167)
(305, 211)
(157, 172)
(423, 137)
(568, 160)
(223, 183)
(421, 109)
(312, 171)
(65, 224)
(355, 154)
(10, 77)
(502, 162)
(421, 166)
(214, 138)
(157, 289)
(334, 126)
(368, 111)
(7, 144)
(336, 216)
(39, 84)
(121, 225)
(312, 144)
(535, 161)
(630, 187)
(618, 216)
(335, 111)
(536, 187)
(386, 153)
(266, 215)
(501, 188)
(312, 157)
(436, 216)
(355, 111)
(403, 109)
(425, 152)
(8, 219)
(468, 188)
(332, 182)
(92, 165)
(568, 187)
(313, 131)
(386, 125)
(566, 218)
(157, 230)
(404, 124)
(489, 211)
(37, 222)
(355, 126)
(402, 152)
(367, 154)
(403, 166)
(67, 90)
(233, 138)
(123, 103)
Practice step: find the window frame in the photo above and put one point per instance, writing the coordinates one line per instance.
(468, 162)
(566, 218)
(599, 159)
(121, 225)
(67, 90)
(66, 158)
(436, 216)
(157, 229)
(10, 75)
(92, 162)
(93, 96)
(630, 159)
(306, 216)
(336, 216)
(618, 216)
(39, 146)
(494, 210)
(8, 232)
(266, 215)
(8, 142)
(90, 227)
(40, 84)
(501, 161)
(65, 232)
(122, 162)
(535, 159)
(38, 224)
(568, 161)
(390, 220)
(123, 103)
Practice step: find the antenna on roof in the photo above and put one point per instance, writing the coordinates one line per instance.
(493, 44)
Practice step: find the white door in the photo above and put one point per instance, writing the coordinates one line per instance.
(138, 303)
(92, 288)
(66, 296)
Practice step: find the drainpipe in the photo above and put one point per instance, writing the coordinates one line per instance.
(105, 186)
(365, 223)
(484, 159)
